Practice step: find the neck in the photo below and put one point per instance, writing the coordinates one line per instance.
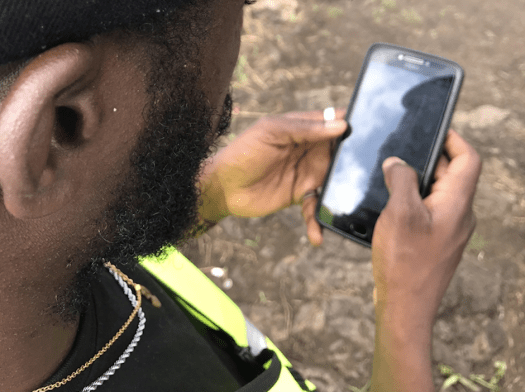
(34, 340)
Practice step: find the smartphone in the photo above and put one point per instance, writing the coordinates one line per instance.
(402, 106)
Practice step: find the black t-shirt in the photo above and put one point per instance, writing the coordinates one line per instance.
(171, 355)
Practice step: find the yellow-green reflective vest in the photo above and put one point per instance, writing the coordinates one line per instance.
(211, 306)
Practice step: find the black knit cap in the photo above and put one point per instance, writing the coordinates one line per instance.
(28, 27)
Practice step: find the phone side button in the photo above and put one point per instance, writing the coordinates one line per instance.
(359, 230)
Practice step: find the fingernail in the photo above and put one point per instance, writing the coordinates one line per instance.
(335, 124)
(389, 162)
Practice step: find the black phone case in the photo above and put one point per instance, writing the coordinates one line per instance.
(437, 148)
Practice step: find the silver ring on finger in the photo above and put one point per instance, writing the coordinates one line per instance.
(308, 194)
(329, 114)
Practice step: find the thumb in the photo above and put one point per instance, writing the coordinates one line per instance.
(401, 181)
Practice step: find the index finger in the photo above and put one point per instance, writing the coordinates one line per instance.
(316, 114)
(300, 128)
(465, 164)
(455, 145)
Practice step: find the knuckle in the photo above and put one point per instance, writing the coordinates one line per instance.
(479, 168)
(476, 160)
(267, 120)
(462, 228)
(402, 212)
(472, 224)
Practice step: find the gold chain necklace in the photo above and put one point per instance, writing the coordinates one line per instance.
(139, 290)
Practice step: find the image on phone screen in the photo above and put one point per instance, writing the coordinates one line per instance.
(397, 112)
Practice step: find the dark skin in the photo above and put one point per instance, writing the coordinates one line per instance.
(416, 248)
(51, 193)
(44, 186)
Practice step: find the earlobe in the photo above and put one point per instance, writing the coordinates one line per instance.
(48, 112)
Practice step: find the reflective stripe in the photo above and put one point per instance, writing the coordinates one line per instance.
(256, 339)
(310, 385)
(286, 382)
(212, 306)
(281, 356)
(187, 281)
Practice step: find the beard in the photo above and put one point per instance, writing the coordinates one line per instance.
(157, 204)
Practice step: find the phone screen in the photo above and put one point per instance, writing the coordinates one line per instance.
(397, 111)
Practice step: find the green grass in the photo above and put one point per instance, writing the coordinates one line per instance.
(381, 9)
(389, 4)
(377, 14)
(253, 243)
(325, 215)
(477, 243)
(262, 297)
(293, 17)
(411, 16)
(475, 382)
(366, 388)
(240, 70)
(444, 11)
(334, 12)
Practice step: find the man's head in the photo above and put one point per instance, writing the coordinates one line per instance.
(102, 140)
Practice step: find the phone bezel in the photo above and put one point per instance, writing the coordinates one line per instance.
(392, 52)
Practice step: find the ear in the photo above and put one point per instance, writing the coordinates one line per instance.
(49, 112)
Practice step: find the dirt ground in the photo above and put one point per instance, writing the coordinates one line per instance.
(316, 304)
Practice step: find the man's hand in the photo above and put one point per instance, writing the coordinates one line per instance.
(416, 248)
(271, 166)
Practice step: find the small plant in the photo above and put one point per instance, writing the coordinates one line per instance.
(325, 215)
(293, 17)
(455, 378)
(378, 13)
(253, 243)
(334, 12)
(389, 4)
(444, 11)
(475, 379)
(473, 383)
(411, 16)
(366, 388)
(262, 297)
(476, 243)
(240, 72)
(501, 369)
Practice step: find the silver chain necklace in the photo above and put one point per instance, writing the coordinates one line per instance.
(138, 334)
